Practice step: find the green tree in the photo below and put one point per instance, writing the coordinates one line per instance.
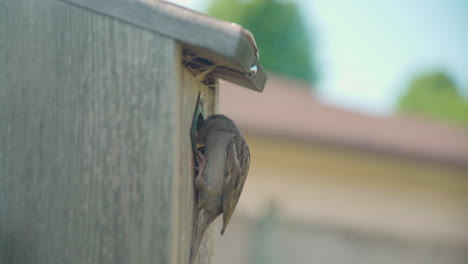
(280, 33)
(435, 95)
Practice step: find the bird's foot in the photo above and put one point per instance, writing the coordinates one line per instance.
(201, 160)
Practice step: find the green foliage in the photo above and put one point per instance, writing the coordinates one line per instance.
(435, 95)
(279, 31)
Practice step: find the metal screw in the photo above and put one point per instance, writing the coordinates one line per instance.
(252, 70)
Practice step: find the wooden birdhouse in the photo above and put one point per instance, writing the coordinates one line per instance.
(98, 102)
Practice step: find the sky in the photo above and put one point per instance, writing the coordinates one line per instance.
(368, 50)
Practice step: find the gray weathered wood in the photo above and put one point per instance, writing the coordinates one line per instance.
(188, 96)
(221, 42)
(95, 160)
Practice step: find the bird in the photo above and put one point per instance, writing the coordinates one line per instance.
(221, 173)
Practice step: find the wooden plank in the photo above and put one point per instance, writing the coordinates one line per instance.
(188, 98)
(88, 138)
(218, 41)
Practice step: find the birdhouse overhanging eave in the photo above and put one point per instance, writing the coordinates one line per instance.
(217, 42)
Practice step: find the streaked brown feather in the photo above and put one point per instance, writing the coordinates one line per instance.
(235, 173)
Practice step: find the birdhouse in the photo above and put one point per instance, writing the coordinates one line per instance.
(98, 103)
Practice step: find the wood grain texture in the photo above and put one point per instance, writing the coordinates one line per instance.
(94, 161)
(218, 41)
(188, 96)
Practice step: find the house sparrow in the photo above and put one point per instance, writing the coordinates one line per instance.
(222, 171)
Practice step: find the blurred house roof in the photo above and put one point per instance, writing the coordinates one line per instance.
(287, 109)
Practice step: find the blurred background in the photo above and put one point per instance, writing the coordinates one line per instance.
(360, 141)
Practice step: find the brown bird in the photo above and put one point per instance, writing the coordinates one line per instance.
(222, 172)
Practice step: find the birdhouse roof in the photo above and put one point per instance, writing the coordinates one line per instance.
(226, 45)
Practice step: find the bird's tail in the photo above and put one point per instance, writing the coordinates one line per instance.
(202, 221)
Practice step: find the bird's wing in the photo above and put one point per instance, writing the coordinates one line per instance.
(235, 173)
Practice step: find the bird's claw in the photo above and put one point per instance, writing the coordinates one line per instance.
(201, 160)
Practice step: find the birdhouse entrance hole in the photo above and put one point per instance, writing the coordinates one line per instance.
(199, 118)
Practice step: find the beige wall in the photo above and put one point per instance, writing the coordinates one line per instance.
(314, 183)
(318, 243)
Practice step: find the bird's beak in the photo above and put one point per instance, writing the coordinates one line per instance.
(198, 142)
